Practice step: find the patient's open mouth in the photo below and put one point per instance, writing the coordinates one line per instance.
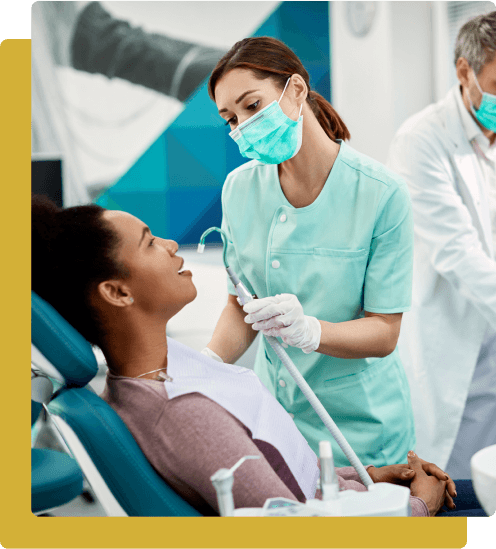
(185, 273)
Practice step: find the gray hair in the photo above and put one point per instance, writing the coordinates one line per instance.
(476, 41)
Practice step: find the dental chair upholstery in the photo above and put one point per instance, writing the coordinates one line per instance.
(112, 462)
(56, 478)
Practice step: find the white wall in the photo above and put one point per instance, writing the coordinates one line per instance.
(413, 79)
(381, 79)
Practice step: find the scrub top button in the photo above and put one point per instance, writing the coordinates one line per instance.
(283, 218)
(276, 264)
(291, 416)
(282, 383)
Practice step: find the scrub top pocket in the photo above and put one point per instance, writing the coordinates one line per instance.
(341, 275)
(376, 403)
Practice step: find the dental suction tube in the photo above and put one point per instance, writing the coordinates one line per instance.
(319, 408)
(244, 297)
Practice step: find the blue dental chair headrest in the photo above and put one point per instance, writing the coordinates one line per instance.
(61, 344)
(106, 440)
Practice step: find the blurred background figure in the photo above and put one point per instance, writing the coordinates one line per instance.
(447, 155)
(85, 36)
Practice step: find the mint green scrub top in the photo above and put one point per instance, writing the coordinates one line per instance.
(349, 251)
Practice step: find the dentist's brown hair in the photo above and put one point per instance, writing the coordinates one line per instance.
(267, 57)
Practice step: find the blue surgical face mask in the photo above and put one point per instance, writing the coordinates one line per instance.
(486, 113)
(269, 135)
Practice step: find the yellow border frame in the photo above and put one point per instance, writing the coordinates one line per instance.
(19, 527)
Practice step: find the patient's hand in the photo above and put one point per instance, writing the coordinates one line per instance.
(428, 487)
(404, 474)
(435, 471)
(394, 474)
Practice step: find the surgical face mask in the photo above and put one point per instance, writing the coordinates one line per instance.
(270, 136)
(486, 113)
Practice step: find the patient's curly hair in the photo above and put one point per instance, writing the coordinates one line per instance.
(72, 251)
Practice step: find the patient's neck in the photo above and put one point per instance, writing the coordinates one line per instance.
(136, 346)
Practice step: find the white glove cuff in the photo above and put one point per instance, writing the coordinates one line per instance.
(315, 330)
(211, 354)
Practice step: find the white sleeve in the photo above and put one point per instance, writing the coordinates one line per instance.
(443, 222)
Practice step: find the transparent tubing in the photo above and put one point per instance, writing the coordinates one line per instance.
(201, 245)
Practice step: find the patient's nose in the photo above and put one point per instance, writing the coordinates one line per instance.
(172, 246)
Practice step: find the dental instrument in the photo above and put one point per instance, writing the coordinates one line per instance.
(380, 500)
(244, 297)
(329, 484)
(330, 504)
(223, 482)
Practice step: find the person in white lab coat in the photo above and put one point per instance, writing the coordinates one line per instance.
(447, 155)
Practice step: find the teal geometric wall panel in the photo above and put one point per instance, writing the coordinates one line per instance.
(175, 186)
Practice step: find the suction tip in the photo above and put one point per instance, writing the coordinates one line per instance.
(201, 247)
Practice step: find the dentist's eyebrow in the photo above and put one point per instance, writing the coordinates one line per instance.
(145, 230)
(240, 98)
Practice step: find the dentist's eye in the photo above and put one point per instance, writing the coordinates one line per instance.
(253, 106)
(151, 242)
(231, 121)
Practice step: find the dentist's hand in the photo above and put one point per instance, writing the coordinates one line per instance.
(282, 316)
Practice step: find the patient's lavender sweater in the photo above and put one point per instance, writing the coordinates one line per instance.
(188, 438)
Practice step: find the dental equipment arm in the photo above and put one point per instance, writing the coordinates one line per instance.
(244, 297)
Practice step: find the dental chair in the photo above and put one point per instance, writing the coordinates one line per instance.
(56, 478)
(112, 462)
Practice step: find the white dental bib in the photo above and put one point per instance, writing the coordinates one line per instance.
(241, 393)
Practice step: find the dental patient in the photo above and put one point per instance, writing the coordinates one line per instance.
(118, 285)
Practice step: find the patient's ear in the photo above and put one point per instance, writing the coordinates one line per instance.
(115, 293)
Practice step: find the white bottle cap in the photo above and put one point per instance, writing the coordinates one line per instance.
(325, 449)
(201, 247)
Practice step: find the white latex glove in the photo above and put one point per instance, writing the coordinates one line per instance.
(282, 316)
(211, 354)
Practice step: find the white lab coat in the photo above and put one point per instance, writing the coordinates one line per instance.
(454, 280)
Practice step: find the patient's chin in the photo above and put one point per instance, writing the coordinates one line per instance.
(189, 296)
(194, 293)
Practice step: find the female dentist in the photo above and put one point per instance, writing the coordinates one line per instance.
(323, 236)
